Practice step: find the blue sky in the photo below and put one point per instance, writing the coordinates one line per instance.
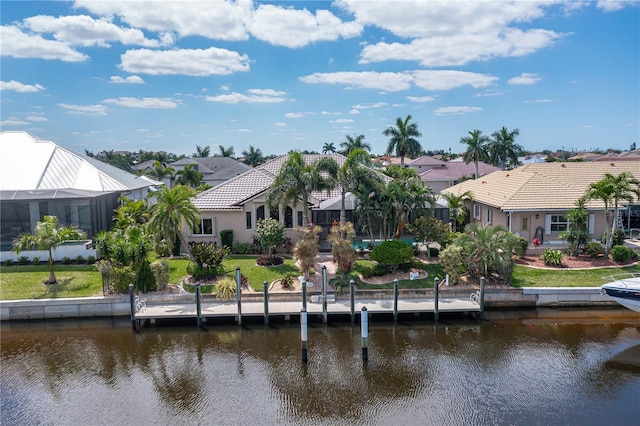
(170, 75)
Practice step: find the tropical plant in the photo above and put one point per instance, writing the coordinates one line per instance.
(296, 180)
(189, 176)
(488, 250)
(287, 281)
(307, 248)
(407, 196)
(458, 212)
(552, 257)
(208, 258)
(402, 139)
(48, 234)
(130, 213)
(593, 249)
(344, 255)
(392, 253)
(225, 152)
(225, 288)
(354, 170)
(452, 261)
(253, 157)
(477, 149)
(271, 234)
(578, 231)
(329, 148)
(428, 230)
(202, 151)
(372, 206)
(161, 271)
(161, 171)
(502, 149)
(352, 143)
(172, 211)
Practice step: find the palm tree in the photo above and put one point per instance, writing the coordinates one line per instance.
(328, 148)
(354, 142)
(476, 148)
(189, 176)
(406, 196)
(457, 210)
(503, 150)
(202, 151)
(354, 170)
(48, 235)
(130, 213)
(402, 139)
(611, 190)
(225, 152)
(488, 249)
(160, 171)
(173, 210)
(296, 180)
(253, 157)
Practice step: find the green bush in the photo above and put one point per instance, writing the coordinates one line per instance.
(552, 257)
(593, 249)
(287, 281)
(121, 277)
(8, 262)
(226, 238)
(91, 260)
(243, 248)
(225, 288)
(208, 258)
(451, 259)
(392, 253)
(273, 260)
(618, 237)
(145, 278)
(66, 260)
(35, 260)
(80, 259)
(522, 246)
(23, 260)
(161, 271)
(621, 253)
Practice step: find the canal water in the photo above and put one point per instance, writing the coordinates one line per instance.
(522, 368)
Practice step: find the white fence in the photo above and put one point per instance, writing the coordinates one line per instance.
(70, 249)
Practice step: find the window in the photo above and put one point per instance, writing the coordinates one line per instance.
(556, 223)
(489, 215)
(476, 211)
(248, 220)
(288, 217)
(299, 218)
(525, 224)
(259, 213)
(205, 227)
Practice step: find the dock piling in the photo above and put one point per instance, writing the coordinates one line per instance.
(436, 310)
(352, 287)
(198, 306)
(482, 282)
(133, 308)
(324, 294)
(303, 333)
(395, 300)
(303, 284)
(265, 292)
(239, 294)
(364, 330)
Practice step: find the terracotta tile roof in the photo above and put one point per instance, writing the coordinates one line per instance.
(454, 170)
(425, 160)
(542, 186)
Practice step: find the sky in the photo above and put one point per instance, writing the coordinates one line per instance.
(280, 76)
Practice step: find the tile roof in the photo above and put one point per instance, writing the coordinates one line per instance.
(425, 160)
(30, 164)
(454, 170)
(542, 186)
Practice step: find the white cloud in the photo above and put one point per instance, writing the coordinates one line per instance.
(150, 103)
(421, 98)
(524, 79)
(296, 114)
(280, 124)
(354, 111)
(369, 106)
(450, 79)
(193, 62)
(219, 20)
(254, 96)
(84, 30)
(456, 110)
(132, 79)
(16, 86)
(85, 109)
(540, 101)
(295, 28)
(17, 44)
(329, 113)
(36, 119)
(614, 5)
(13, 121)
(244, 130)
(341, 120)
(488, 93)
(389, 81)
(224, 88)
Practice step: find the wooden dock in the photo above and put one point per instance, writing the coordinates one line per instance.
(288, 309)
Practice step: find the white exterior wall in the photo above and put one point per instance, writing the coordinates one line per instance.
(70, 250)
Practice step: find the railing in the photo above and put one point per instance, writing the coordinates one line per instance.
(620, 278)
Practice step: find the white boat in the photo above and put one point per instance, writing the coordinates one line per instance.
(624, 289)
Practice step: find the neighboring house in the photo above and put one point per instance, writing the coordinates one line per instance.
(239, 203)
(215, 170)
(39, 177)
(442, 174)
(533, 200)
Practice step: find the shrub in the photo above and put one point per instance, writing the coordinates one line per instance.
(617, 240)
(621, 253)
(121, 277)
(225, 288)
(552, 257)
(35, 260)
(226, 238)
(161, 270)
(392, 253)
(287, 281)
(80, 259)
(273, 260)
(91, 260)
(145, 279)
(593, 249)
(23, 260)
(271, 234)
(208, 257)
(451, 259)
(8, 262)
(66, 260)
(522, 245)
(243, 248)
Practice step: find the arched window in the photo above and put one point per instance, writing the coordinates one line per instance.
(259, 213)
(288, 217)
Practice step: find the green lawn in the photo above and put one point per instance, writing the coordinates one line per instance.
(27, 282)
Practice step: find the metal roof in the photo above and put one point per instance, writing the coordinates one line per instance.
(29, 164)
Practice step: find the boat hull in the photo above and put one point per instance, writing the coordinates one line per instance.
(625, 292)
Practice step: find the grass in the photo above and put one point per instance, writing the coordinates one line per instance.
(27, 282)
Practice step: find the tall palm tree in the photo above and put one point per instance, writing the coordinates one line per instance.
(160, 171)
(225, 152)
(406, 196)
(48, 235)
(354, 170)
(328, 148)
(189, 176)
(296, 180)
(253, 157)
(502, 149)
(476, 148)
(354, 142)
(173, 210)
(402, 139)
(202, 151)
(458, 212)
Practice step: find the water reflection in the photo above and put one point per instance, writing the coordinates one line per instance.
(508, 369)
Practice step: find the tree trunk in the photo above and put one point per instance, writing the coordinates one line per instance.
(52, 275)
